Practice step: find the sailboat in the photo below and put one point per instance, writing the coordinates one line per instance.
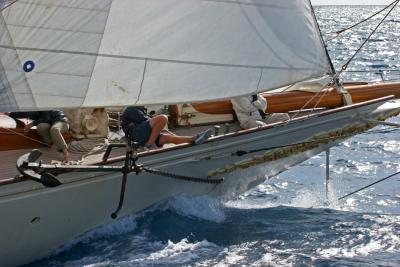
(197, 54)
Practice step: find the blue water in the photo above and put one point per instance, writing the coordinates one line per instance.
(286, 221)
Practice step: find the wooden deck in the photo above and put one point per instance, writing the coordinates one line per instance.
(9, 158)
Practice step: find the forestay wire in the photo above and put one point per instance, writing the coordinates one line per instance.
(336, 76)
(358, 23)
(344, 67)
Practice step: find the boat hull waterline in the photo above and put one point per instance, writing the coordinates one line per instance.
(45, 218)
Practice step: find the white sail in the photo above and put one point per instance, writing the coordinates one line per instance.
(88, 53)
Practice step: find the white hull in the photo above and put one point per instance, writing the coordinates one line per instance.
(36, 220)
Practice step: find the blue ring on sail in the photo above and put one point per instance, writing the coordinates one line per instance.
(28, 66)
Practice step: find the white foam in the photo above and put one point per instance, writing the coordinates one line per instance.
(273, 260)
(174, 253)
(267, 255)
(307, 199)
(380, 236)
(232, 255)
(205, 208)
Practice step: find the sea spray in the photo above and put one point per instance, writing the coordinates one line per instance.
(205, 208)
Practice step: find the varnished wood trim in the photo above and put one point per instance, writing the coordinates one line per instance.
(287, 101)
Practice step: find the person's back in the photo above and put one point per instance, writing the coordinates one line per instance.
(133, 116)
(50, 117)
(250, 111)
(140, 128)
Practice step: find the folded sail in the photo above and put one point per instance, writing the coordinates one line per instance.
(88, 53)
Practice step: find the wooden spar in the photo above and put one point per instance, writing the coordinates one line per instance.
(294, 100)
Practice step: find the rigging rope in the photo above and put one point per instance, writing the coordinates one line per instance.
(27, 137)
(344, 67)
(311, 99)
(7, 6)
(335, 77)
(358, 23)
(380, 180)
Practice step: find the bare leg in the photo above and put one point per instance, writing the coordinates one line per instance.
(157, 123)
(175, 139)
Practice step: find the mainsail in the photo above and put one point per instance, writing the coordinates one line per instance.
(90, 53)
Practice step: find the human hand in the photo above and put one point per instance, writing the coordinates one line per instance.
(28, 127)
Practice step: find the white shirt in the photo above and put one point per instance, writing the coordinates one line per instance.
(247, 110)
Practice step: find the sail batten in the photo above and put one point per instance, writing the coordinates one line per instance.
(90, 53)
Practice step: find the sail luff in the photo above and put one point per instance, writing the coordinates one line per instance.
(331, 66)
(90, 53)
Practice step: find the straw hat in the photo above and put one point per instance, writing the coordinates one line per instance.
(89, 122)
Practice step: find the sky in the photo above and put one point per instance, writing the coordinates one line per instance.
(351, 2)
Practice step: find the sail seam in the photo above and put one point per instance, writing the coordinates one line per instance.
(5, 82)
(17, 59)
(54, 29)
(141, 83)
(98, 48)
(61, 74)
(59, 6)
(58, 95)
(246, 4)
(156, 59)
(262, 38)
